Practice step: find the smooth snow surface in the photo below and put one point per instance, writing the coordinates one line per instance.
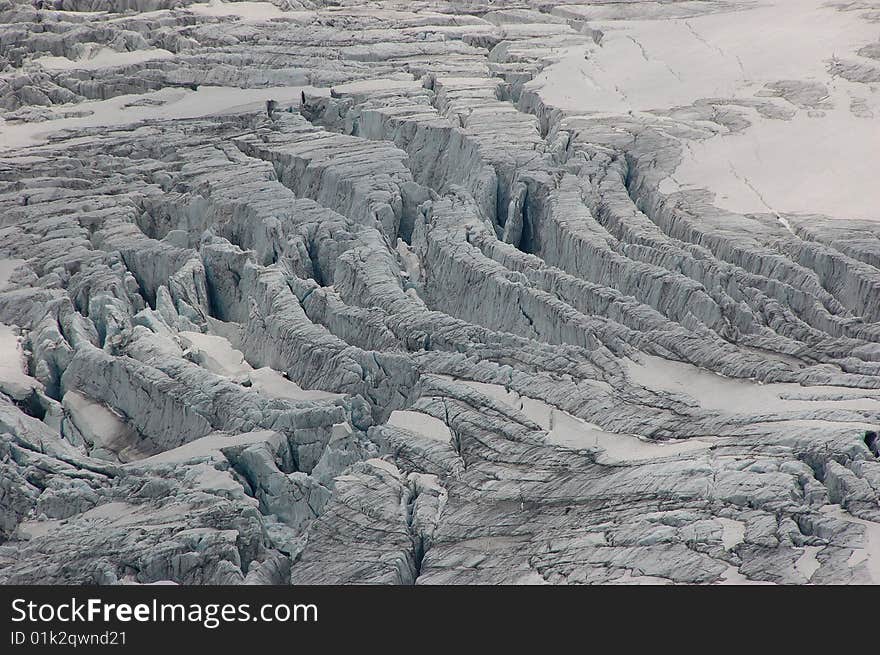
(423, 424)
(807, 563)
(274, 384)
(215, 354)
(173, 103)
(250, 12)
(104, 58)
(712, 391)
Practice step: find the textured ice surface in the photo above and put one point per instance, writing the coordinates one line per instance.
(514, 293)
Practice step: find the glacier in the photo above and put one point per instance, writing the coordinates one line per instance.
(466, 292)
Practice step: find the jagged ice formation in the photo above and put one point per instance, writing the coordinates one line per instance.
(438, 292)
